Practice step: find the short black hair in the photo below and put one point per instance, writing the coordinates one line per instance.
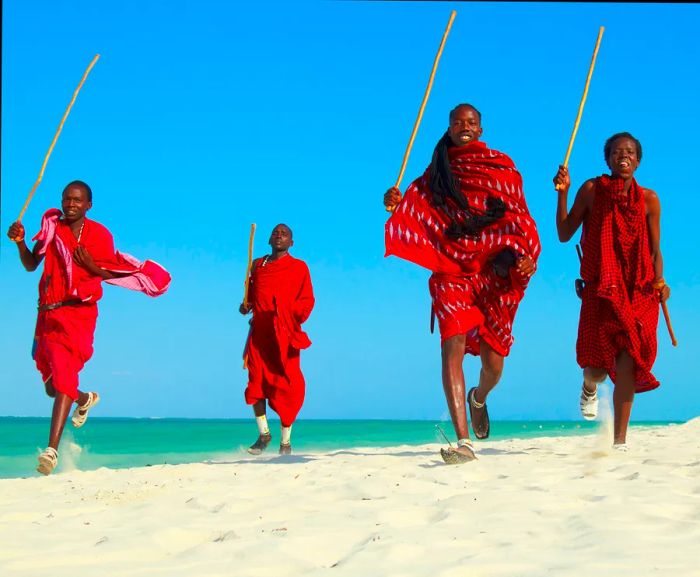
(465, 105)
(610, 141)
(81, 184)
(291, 234)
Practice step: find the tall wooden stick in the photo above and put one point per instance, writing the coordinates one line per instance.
(422, 106)
(583, 98)
(55, 138)
(250, 265)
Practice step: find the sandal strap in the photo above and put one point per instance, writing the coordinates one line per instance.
(473, 402)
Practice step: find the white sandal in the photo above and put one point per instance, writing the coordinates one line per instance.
(47, 461)
(80, 414)
(589, 404)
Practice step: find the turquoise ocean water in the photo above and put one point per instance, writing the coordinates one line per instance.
(121, 443)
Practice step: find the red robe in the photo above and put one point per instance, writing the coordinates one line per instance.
(619, 306)
(468, 296)
(282, 298)
(64, 335)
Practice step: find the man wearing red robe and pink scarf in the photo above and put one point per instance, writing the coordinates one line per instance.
(78, 254)
(281, 298)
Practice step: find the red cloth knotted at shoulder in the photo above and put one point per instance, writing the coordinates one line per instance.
(618, 270)
(147, 277)
(416, 229)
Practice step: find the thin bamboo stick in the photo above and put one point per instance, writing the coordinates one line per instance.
(422, 106)
(583, 98)
(55, 138)
(250, 265)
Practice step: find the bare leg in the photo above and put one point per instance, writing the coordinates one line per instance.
(61, 408)
(490, 374)
(592, 377)
(83, 398)
(491, 371)
(623, 396)
(259, 408)
(50, 391)
(453, 383)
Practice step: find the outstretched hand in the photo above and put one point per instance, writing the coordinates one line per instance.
(16, 232)
(392, 198)
(562, 181)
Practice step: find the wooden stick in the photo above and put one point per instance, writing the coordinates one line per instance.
(55, 138)
(583, 99)
(669, 326)
(250, 265)
(658, 285)
(247, 288)
(422, 106)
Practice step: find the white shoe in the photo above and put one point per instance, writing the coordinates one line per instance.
(589, 404)
(80, 414)
(620, 448)
(47, 461)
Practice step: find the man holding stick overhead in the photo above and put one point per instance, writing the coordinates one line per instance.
(78, 255)
(281, 298)
(467, 221)
(622, 269)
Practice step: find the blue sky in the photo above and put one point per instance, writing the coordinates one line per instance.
(201, 118)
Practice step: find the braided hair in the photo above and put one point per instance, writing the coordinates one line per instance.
(444, 185)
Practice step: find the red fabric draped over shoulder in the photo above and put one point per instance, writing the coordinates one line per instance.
(468, 297)
(619, 307)
(63, 339)
(282, 298)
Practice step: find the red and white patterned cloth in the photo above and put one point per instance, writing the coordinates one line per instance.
(619, 306)
(468, 297)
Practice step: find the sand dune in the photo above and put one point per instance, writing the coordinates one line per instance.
(545, 506)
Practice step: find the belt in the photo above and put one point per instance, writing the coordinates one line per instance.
(53, 306)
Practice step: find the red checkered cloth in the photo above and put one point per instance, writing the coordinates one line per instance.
(468, 297)
(619, 307)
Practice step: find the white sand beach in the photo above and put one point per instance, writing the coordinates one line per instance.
(527, 507)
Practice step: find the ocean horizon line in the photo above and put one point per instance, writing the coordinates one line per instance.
(343, 419)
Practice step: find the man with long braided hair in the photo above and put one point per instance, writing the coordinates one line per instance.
(622, 270)
(466, 220)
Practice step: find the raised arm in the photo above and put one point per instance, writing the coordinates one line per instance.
(568, 221)
(30, 258)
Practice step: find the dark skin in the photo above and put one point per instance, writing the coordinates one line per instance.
(74, 204)
(622, 161)
(464, 128)
(280, 242)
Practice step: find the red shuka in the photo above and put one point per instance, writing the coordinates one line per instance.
(468, 297)
(64, 336)
(619, 307)
(282, 298)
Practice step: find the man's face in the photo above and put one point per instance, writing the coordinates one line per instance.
(465, 126)
(281, 238)
(623, 159)
(75, 203)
